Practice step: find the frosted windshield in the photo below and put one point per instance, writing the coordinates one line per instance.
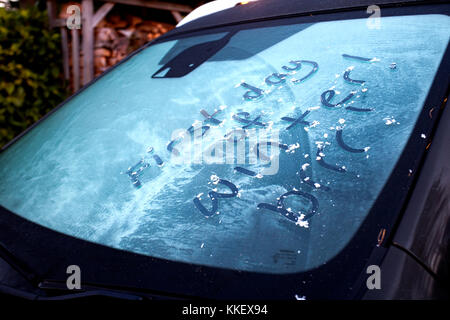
(265, 160)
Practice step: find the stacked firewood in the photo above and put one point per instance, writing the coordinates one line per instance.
(116, 37)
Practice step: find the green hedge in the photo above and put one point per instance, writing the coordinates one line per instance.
(30, 70)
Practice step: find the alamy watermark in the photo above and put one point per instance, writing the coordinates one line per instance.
(374, 280)
(374, 21)
(73, 20)
(238, 146)
(73, 282)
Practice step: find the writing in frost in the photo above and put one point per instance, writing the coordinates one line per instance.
(248, 123)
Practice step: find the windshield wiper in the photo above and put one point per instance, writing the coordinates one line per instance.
(106, 290)
(19, 266)
(57, 290)
(24, 271)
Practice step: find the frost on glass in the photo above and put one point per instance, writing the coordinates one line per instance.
(350, 109)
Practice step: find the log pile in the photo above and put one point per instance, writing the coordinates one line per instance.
(116, 37)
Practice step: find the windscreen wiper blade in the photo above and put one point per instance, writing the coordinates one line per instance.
(107, 290)
(19, 266)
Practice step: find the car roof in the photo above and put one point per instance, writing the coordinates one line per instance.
(269, 9)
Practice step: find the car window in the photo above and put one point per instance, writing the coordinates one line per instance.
(266, 156)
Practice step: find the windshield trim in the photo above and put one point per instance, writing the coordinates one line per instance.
(277, 9)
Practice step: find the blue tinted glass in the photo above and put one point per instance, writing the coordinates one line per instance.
(267, 157)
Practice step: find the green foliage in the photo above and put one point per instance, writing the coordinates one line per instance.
(30, 67)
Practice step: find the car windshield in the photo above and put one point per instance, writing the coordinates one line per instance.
(261, 149)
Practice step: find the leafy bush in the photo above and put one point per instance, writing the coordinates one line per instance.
(30, 67)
